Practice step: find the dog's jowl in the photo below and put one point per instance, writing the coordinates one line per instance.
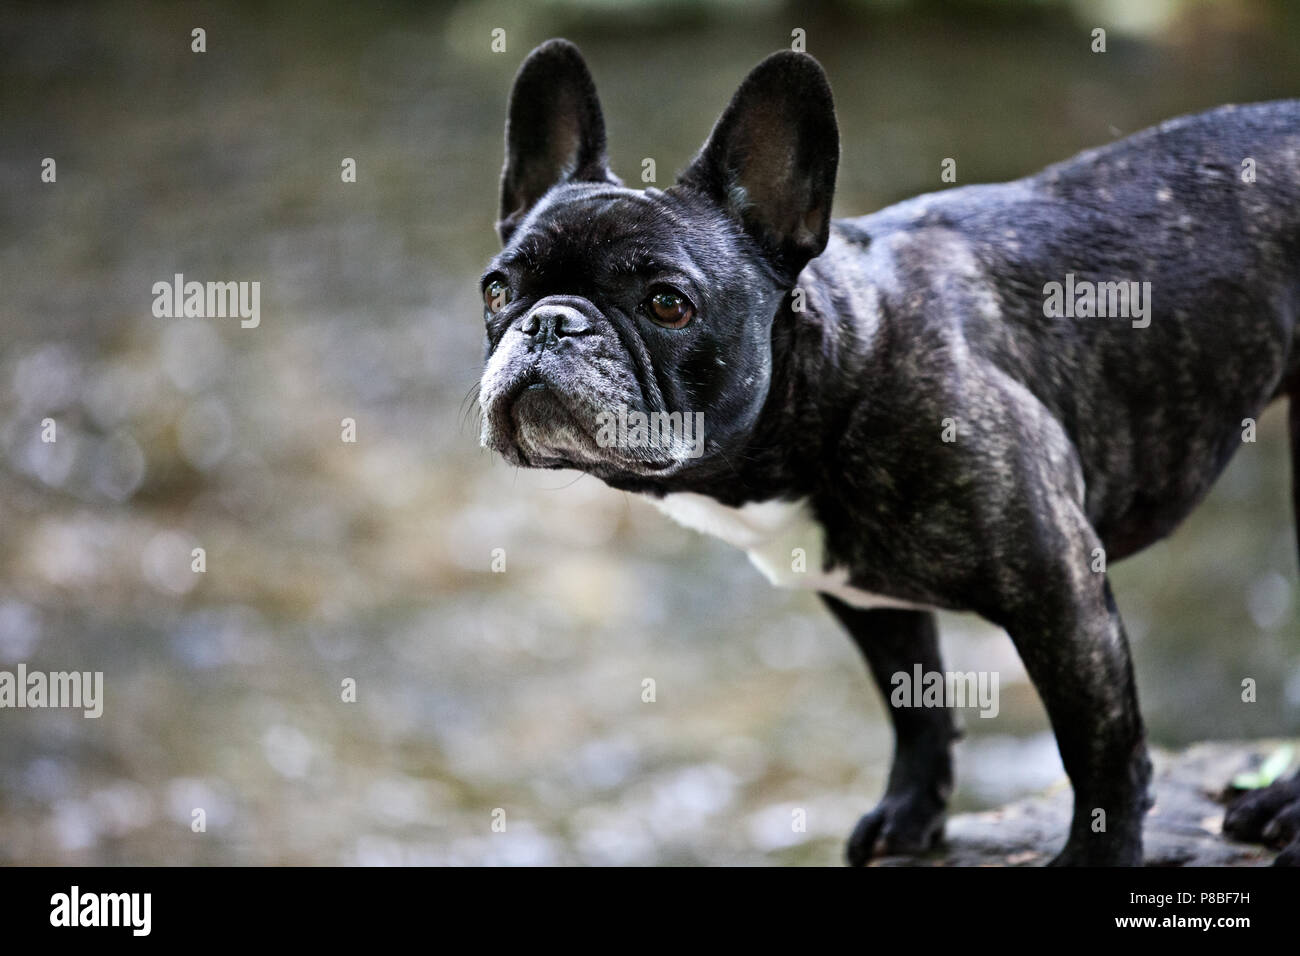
(974, 400)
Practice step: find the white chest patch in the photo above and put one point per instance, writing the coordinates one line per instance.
(774, 534)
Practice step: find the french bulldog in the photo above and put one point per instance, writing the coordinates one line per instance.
(973, 400)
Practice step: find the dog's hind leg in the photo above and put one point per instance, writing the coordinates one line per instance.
(1272, 814)
(910, 816)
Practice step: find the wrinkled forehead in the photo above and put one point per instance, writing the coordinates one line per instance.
(634, 231)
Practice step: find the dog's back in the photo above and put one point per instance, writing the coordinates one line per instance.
(1193, 227)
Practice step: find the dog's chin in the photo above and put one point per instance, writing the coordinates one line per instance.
(540, 429)
(547, 433)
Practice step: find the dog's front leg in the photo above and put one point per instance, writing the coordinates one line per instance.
(1068, 632)
(909, 818)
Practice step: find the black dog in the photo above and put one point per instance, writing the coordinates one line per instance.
(971, 400)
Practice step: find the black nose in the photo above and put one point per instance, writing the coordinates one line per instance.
(547, 324)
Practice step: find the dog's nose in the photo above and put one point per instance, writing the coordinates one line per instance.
(547, 324)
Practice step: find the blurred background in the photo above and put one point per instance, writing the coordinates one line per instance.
(327, 560)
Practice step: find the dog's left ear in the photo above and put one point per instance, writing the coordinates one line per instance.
(555, 131)
(771, 159)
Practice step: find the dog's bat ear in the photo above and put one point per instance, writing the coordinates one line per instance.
(555, 131)
(771, 159)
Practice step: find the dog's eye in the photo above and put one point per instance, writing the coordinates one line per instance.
(495, 296)
(669, 309)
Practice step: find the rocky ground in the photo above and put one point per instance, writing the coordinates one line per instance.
(1184, 827)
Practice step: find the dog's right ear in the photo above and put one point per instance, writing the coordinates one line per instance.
(555, 131)
(771, 159)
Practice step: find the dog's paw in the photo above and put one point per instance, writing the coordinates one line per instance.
(1290, 855)
(904, 824)
(1269, 815)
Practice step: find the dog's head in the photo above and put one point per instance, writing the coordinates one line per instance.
(610, 307)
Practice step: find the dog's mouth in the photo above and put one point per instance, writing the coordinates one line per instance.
(539, 423)
(534, 399)
(537, 408)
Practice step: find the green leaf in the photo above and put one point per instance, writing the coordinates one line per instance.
(1269, 770)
